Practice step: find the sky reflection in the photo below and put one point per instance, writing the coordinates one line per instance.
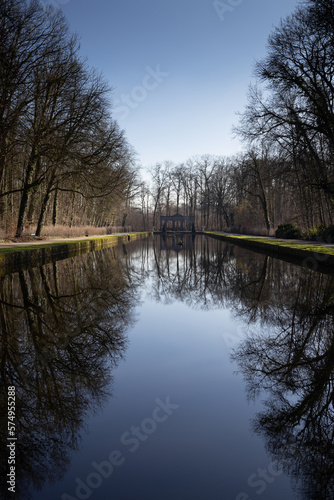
(131, 353)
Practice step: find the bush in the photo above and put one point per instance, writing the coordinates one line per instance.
(327, 234)
(312, 234)
(288, 231)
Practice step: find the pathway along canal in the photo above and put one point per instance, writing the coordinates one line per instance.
(124, 365)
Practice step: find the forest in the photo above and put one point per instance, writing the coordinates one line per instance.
(64, 159)
(65, 162)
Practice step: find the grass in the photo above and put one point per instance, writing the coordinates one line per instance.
(281, 243)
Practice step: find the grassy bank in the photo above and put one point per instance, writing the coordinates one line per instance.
(20, 257)
(313, 256)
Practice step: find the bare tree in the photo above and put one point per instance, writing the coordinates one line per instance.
(297, 107)
(160, 178)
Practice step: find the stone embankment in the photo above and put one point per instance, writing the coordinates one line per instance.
(17, 256)
(313, 255)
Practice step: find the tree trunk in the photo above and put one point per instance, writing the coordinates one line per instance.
(42, 212)
(22, 213)
(25, 195)
(45, 202)
(32, 204)
(55, 208)
(2, 172)
(264, 202)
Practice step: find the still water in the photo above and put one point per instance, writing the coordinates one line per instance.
(155, 371)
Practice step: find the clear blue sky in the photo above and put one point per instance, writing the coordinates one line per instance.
(180, 69)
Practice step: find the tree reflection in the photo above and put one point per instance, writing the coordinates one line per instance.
(291, 360)
(62, 332)
(193, 273)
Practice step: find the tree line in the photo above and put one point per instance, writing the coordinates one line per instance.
(286, 172)
(63, 158)
(222, 193)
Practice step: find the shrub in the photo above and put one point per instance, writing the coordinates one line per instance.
(312, 234)
(327, 234)
(288, 231)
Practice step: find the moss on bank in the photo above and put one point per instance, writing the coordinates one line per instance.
(314, 256)
(277, 242)
(18, 257)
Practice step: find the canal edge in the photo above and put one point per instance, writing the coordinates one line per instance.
(14, 258)
(318, 259)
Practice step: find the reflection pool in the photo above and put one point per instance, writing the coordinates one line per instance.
(154, 370)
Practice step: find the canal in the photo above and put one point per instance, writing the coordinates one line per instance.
(170, 369)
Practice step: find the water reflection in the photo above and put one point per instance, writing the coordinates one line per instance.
(210, 274)
(292, 360)
(194, 273)
(62, 332)
(288, 352)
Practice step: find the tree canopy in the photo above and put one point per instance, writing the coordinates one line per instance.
(58, 139)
